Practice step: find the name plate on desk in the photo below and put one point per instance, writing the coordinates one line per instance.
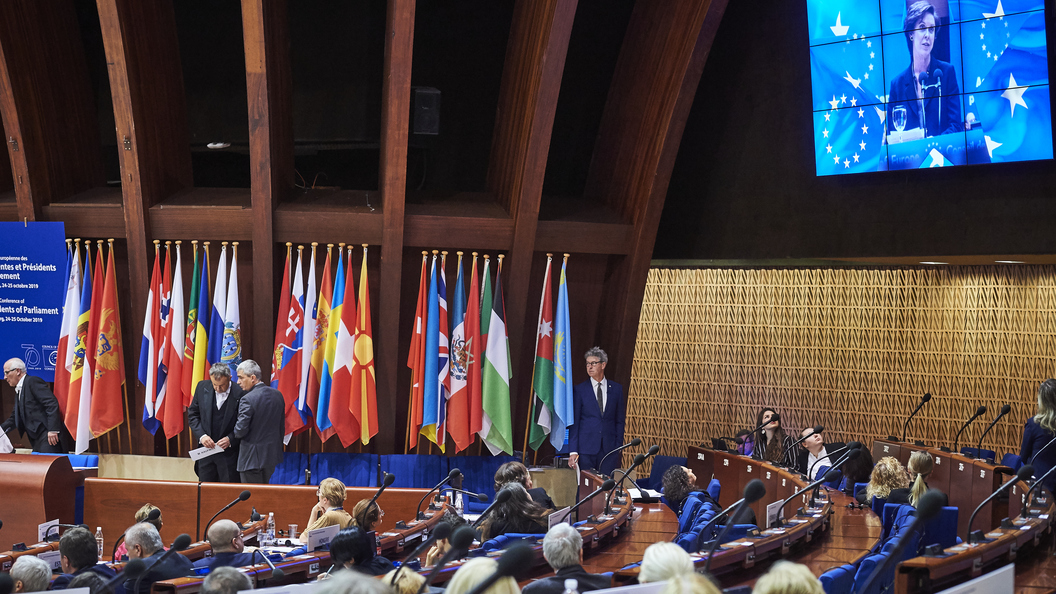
(321, 537)
(52, 558)
(997, 581)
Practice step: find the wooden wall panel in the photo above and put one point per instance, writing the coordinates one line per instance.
(852, 349)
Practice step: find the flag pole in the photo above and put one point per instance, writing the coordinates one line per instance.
(531, 399)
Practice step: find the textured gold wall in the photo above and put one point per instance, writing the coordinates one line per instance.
(852, 349)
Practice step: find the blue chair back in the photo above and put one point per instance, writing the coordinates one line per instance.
(979, 453)
(891, 513)
(415, 471)
(838, 580)
(836, 483)
(866, 568)
(1012, 461)
(660, 466)
(690, 510)
(291, 470)
(878, 506)
(714, 489)
(859, 487)
(355, 470)
(903, 518)
(942, 529)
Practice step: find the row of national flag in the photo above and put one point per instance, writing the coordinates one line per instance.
(460, 363)
(89, 370)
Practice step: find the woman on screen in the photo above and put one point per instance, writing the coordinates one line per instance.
(926, 95)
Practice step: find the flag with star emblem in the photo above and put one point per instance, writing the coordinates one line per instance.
(543, 374)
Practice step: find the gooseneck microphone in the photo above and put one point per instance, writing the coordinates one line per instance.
(389, 479)
(151, 517)
(854, 445)
(923, 400)
(275, 571)
(244, 495)
(1023, 474)
(637, 462)
(133, 569)
(501, 497)
(47, 538)
(753, 491)
(181, 543)
(460, 541)
(634, 442)
(1025, 512)
(608, 485)
(817, 429)
(481, 497)
(1043, 448)
(928, 507)
(829, 476)
(1004, 411)
(514, 562)
(707, 527)
(978, 413)
(775, 418)
(441, 532)
(455, 473)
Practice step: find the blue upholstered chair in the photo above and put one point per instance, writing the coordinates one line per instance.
(838, 580)
(866, 568)
(660, 465)
(1012, 461)
(942, 529)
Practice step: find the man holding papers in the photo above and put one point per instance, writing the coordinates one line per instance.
(212, 416)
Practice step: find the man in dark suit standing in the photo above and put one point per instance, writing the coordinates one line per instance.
(599, 414)
(261, 424)
(563, 550)
(36, 411)
(212, 416)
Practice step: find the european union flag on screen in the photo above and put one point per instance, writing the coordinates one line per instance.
(991, 47)
(847, 74)
(980, 9)
(848, 140)
(838, 20)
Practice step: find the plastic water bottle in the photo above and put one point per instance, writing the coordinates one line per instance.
(99, 540)
(269, 534)
(458, 503)
(571, 586)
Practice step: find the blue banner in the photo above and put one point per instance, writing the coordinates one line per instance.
(32, 287)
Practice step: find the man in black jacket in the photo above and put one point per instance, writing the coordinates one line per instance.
(260, 425)
(79, 555)
(144, 542)
(212, 416)
(36, 411)
(815, 453)
(563, 550)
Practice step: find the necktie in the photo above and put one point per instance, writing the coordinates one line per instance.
(601, 400)
(18, 412)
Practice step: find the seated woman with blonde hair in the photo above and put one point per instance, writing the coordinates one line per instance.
(142, 514)
(690, 583)
(475, 571)
(329, 510)
(407, 583)
(663, 561)
(888, 475)
(786, 577)
(920, 466)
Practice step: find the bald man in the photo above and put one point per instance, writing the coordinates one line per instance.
(228, 549)
(36, 411)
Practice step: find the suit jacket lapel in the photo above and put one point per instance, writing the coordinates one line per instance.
(230, 407)
(206, 408)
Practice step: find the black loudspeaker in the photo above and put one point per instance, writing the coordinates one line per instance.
(425, 110)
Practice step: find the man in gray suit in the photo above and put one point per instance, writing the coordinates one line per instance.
(260, 426)
(212, 416)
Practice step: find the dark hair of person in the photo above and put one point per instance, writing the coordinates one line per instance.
(453, 519)
(351, 544)
(518, 513)
(858, 469)
(676, 486)
(88, 579)
(914, 14)
(79, 546)
(511, 472)
(771, 450)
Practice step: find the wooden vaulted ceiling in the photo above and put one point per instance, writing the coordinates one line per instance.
(55, 172)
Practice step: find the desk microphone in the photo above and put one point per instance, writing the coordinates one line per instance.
(978, 413)
(389, 479)
(1043, 448)
(275, 571)
(634, 442)
(829, 476)
(775, 418)
(151, 517)
(753, 491)
(637, 461)
(713, 521)
(441, 532)
(817, 429)
(501, 497)
(854, 445)
(1004, 411)
(928, 507)
(608, 485)
(455, 473)
(133, 569)
(514, 562)
(460, 541)
(244, 495)
(47, 538)
(1025, 512)
(181, 543)
(923, 400)
(481, 497)
(1023, 474)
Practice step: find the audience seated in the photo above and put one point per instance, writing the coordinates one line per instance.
(79, 554)
(518, 514)
(887, 475)
(663, 561)
(920, 466)
(366, 515)
(786, 577)
(771, 443)
(563, 550)
(225, 580)
(437, 550)
(678, 482)
(407, 582)
(95, 582)
(353, 582)
(30, 574)
(351, 549)
(141, 515)
(515, 472)
(1039, 431)
(328, 511)
(144, 543)
(857, 470)
(815, 453)
(228, 549)
(475, 571)
(747, 441)
(691, 583)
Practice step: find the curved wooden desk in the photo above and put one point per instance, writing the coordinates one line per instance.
(42, 486)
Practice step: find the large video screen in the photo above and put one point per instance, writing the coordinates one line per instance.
(907, 84)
